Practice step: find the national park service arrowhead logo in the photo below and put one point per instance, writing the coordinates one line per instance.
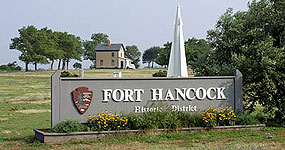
(82, 98)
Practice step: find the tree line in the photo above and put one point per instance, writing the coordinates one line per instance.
(195, 50)
(44, 46)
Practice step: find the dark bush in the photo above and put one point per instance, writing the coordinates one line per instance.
(77, 65)
(160, 73)
(68, 74)
(69, 126)
(4, 68)
(246, 119)
(10, 67)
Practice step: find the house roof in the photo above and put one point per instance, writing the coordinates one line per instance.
(112, 47)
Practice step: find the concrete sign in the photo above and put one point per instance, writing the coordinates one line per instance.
(76, 98)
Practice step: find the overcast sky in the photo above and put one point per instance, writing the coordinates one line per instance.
(144, 23)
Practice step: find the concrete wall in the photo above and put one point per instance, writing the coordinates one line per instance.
(63, 106)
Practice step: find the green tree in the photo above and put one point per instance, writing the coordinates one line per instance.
(89, 51)
(150, 55)
(163, 57)
(253, 42)
(53, 51)
(89, 46)
(71, 46)
(77, 65)
(99, 37)
(30, 44)
(197, 52)
(133, 53)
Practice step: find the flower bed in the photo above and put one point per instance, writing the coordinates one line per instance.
(44, 135)
(106, 123)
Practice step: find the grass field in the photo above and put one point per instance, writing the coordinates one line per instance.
(25, 105)
(17, 86)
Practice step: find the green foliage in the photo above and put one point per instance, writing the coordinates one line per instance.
(4, 68)
(133, 53)
(69, 126)
(77, 65)
(213, 116)
(246, 119)
(10, 67)
(99, 37)
(197, 52)
(89, 46)
(106, 121)
(163, 58)
(52, 50)
(71, 46)
(165, 119)
(30, 44)
(150, 55)
(160, 73)
(68, 74)
(37, 46)
(190, 120)
(253, 42)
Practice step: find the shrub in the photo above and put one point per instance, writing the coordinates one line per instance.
(165, 119)
(4, 68)
(77, 65)
(213, 117)
(69, 126)
(160, 73)
(68, 74)
(137, 122)
(226, 116)
(210, 117)
(10, 67)
(107, 121)
(190, 120)
(246, 119)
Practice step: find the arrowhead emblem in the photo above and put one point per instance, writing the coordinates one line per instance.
(82, 98)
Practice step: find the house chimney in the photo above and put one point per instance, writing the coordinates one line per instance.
(109, 43)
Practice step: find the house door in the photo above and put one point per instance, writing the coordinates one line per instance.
(122, 64)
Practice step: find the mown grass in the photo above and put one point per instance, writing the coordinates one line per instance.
(22, 94)
(33, 85)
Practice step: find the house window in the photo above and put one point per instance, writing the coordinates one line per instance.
(113, 54)
(101, 62)
(113, 62)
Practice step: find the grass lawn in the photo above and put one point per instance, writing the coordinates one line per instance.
(36, 85)
(25, 105)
